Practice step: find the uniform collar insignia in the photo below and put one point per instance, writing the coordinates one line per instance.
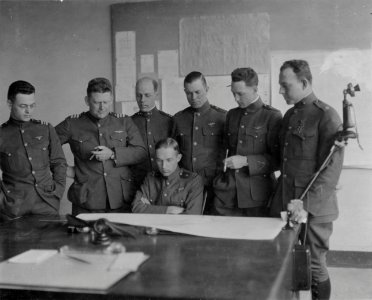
(118, 131)
(38, 137)
(257, 127)
(211, 124)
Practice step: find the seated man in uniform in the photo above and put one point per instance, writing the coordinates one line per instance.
(171, 190)
(32, 161)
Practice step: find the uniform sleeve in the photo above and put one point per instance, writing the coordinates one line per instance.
(268, 162)
(58, 163)
(63, 131)
(324, 187)
(135, 151)
(141, 206)
(194, 199)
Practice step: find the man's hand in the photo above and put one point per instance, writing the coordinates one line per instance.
(70, 172)
(101, 153)
(298, 214)
(236, 162)
(174, 210)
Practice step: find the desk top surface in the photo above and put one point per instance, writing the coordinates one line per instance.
(180, 266)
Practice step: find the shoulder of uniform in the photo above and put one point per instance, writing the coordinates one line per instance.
(75, 116)
(4, 124)
(321, 105)
(39, 122)
(187, 174)
(181, 112)
(116, 115)
(165, 114)
(269, 107)
(219, 109)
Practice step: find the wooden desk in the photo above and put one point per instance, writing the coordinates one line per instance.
(180, 266)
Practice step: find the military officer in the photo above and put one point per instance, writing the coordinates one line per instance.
(171, 190)
(104, 145)
(308, 132)
(153, 124)
(32, 161)
(251, 139)
(198, 130)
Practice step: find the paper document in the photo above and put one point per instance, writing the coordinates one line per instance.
(33, 256)
(208, 226)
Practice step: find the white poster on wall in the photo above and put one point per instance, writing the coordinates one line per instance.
(147, 63)
(125, 65)
(168, 63)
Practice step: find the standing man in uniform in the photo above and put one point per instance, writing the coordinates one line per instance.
(198, 130)
(171, 190)
(153, 124)
(251, 138)
(32, 161)
(308, 132)
(104, 145)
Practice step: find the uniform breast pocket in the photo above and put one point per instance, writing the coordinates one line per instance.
(40, 152)
(305, 144)
(179, 197)
(9, 160)
(212, 137)
(82, 146)
(118, 139)
(257, 137)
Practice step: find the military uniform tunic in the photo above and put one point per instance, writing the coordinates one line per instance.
(154, 126)
(199, 133)
(97, 182)
(33, 167)
(308, 132)
(251, 132)
(182, 188)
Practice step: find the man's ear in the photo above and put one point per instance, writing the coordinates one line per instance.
(305, 83)
(179, 156)
(86, 100)
(10, 103)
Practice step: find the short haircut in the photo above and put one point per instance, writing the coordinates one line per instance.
(20, 87)
(168, 143)
(248, 75)
(194, 75)
(154, 82)
(99, 85)
(300, 68)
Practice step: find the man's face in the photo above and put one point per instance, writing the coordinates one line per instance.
(196, 93)
(167, 160)
(291, 87)
(99, 104)
(146, 95)
(243, 94)
(22, 107)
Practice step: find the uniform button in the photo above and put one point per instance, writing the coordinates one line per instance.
(148, 120)
(284, 175)
(33, 172)
(149, 133)
(9, 154)
(152, 159)
(194, 158)
(285, 159)
(22, 131)
(35, 184)
(99, 125)
(167, 183)
(289, 127)
(100, 134)
(295, 111)
(104, 174)
(26, 144)
(165, 194)
(286, 144)
(196, 127)
(242, 126)
(30, 158)
(8, 191)
(195, 143)
(198, 114)
(245, 113)
(150, 146)
(241, 142)
(236, 171)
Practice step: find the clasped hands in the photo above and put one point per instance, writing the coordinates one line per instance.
(101, 153)
(235, 162)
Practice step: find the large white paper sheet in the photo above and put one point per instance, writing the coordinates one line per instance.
(242, 228)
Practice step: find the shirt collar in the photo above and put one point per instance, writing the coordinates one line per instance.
(148, 113)
(254, 106)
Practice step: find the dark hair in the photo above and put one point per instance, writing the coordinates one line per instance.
(248, 75)
(20, 87)
(300, 68)
(194, 75)
(168, 143)
(154, 82)
(99, 85)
